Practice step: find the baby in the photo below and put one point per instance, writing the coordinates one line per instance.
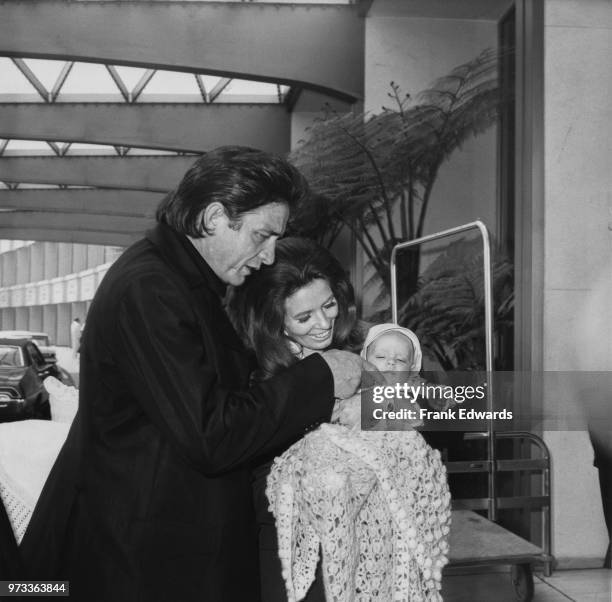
(391, 348)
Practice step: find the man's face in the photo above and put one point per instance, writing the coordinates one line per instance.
(234, 250)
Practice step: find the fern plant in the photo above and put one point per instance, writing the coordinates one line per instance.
(374, 174)
(447, 311)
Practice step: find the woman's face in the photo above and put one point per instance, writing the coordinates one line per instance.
(310, 314)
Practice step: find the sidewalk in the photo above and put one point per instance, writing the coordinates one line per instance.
(587, 585)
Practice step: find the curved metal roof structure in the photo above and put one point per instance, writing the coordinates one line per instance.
(103, 104)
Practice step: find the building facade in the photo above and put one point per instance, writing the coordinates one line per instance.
(44, 285)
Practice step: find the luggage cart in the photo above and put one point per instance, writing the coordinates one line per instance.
(474, 539)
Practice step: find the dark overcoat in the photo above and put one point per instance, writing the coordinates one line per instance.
(159, 505)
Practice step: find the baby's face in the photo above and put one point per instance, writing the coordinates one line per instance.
(391, 352)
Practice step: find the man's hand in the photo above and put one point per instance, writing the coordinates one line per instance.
(346, 368)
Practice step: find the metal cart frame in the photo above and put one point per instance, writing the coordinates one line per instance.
(509, 549)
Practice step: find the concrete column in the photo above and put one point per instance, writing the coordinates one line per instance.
(64, 258)
(21, 318)
(23, 265)
(8, 276)
(578, 252)
(8, 318)
(51, 264)
(111, 253)
(37, 266)
(79, 258)
(35, 318)
(64, 318)
(49, 321)
(95, 256)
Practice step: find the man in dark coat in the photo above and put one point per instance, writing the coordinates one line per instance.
(150, 499)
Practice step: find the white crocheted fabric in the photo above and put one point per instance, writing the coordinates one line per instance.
(28, 450)
(377, 505)
(17, 503)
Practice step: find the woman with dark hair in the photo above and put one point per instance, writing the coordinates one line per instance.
(258, 309)
(373, 505)
(301, 304)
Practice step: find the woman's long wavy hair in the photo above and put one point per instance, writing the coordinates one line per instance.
(257, 308)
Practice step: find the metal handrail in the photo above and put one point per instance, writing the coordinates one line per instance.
(488, 304)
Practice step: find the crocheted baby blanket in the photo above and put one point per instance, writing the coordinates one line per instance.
(377, 505)
(28, 449)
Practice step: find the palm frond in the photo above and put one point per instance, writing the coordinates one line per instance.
(447, 311)
(366, 168)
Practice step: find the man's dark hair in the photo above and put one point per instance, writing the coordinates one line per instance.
(240, 178)
(257, 308)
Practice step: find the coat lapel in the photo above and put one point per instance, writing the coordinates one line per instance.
(206, 287)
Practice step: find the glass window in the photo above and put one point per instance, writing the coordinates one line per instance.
(10, 356)
(35, 355)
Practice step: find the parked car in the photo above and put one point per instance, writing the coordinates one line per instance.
(43, 342)
(22, 371)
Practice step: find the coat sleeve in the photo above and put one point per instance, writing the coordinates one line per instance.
(175, 382)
